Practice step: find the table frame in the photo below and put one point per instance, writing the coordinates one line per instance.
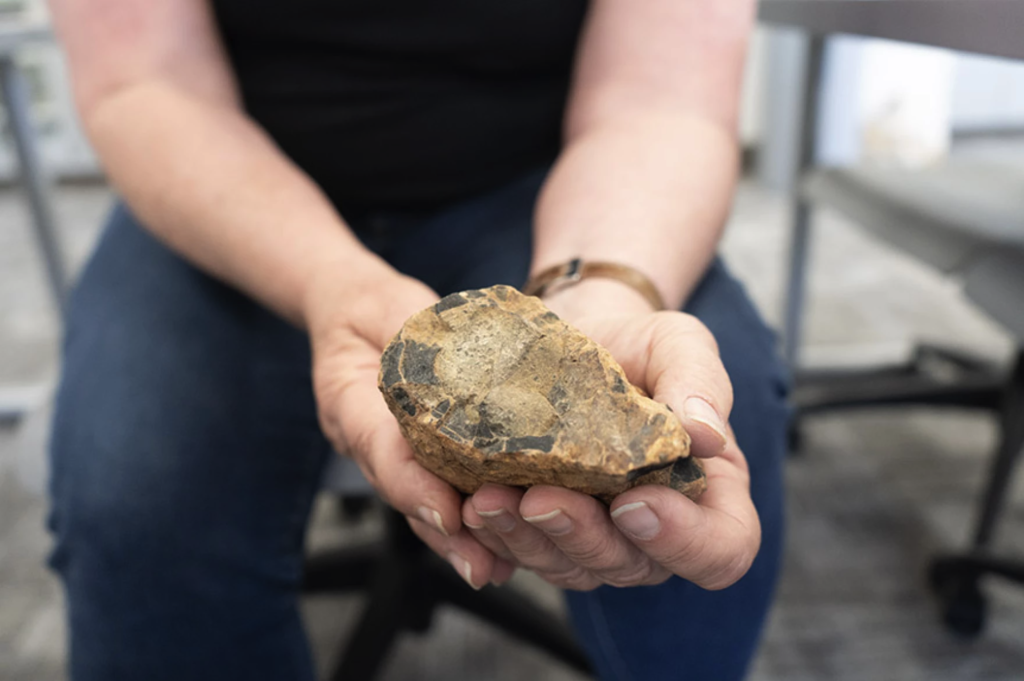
(988, 27)
(17, 101)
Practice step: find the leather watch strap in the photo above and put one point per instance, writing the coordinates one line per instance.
(576, 270)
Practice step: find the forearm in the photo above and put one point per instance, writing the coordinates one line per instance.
(208, 182)
(647, 189)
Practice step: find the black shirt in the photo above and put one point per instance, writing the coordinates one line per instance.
(405, 104)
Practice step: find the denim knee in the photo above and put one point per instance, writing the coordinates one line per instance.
(185, 455)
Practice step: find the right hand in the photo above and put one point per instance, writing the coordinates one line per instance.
(348, 332)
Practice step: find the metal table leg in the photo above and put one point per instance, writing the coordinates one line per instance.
(36, 185)
(16, 98)
(801, 234)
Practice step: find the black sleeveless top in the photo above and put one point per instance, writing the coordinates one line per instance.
(405, 104)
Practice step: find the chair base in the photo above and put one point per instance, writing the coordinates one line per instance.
(955, 580)
(934, 376)
(940, 377)
(406, 583)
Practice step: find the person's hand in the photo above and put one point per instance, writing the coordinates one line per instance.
(652, 532)
(348, 330)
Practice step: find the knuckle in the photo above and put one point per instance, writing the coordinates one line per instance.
(658, 576)
(359, 445)
(589, 584)
(592, 553)
(535, 553)
(702, 334)
(576, 578)
(632, 575)
(727, 571)
(721, 578)
(684, 326)
(494, 544)
(689, 551)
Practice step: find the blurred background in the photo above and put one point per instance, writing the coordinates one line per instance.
(874, 494)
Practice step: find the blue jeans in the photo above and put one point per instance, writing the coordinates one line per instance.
(186, 454)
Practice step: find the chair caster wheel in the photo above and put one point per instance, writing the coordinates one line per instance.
(962, 604)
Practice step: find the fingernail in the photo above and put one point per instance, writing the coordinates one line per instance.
(464, 569)
(638, 520)
(500, 520)
(471, 525)
(700, 410)
(432, 517)
(554, 523)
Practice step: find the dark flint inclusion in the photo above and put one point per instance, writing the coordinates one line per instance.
(441, 409)
(639, 472)
(685, 471)
(546, 318)
(492, 446)
(418, 363)
(404, 401)
(618, 385)
(542, 443)
(389, 363)
(448, 302)
(483, 431)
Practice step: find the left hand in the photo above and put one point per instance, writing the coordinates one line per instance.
(652, 532)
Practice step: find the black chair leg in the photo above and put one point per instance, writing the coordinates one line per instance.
(956, 578)
(517, 616)
(370, 643)
(393, 605)
(340, 570)
(1011, 421)
(406, 584)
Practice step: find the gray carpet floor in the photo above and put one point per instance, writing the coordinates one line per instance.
(871, 498)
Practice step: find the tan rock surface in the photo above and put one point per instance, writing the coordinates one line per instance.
(491, 386)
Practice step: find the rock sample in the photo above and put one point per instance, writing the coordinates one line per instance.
(491, 386)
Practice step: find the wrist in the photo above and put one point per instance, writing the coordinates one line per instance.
(362, 296)
(590, 297)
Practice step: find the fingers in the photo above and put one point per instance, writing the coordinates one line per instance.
(711, 544)
(498, 509)
(581, 528)
(387, 461)
(478, 528)
(675, 358)
(505, 563)
(685, 372)
(474, 563)
(565, 537)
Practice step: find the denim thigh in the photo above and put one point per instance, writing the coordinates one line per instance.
(185, 455)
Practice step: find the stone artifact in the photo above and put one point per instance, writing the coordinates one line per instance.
(491, 386)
